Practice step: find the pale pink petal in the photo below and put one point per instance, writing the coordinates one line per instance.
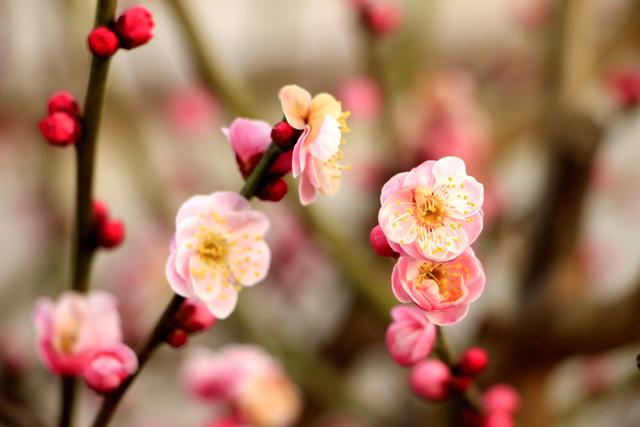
(472, 226)
(250, 266)
(295, 103)
(396, 285)
(187, 229)
(306, 190)
(179, 285)
(299, 158)
(196, 205)
(449, 170)
(207, 280)
(420, 176)
(224, 303)
(248, 137)
(392, 185)
(247, 222)
(448, 316)
(327, 141)
(228, 201)
(464, 199)
(397, 224)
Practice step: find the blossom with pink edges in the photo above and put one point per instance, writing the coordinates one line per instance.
(71, 329)
(218, 248)
(410, 337)
(249, 380)
(109, 366)
(443, 290)
(317, 154)
(432, 212)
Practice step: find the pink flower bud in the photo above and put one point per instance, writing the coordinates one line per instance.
(135, 27)
(109, 366)
(383, 18)
(474, 361)
(60, 129)
(225, 422)
(194, 316)
(499, 419)
(274, 190)
(379, 243)
(429, 380)
(624, 85)
(410, 337)
(100, 212)
(103, 42)
(63, 102)
(178, 338)
(284, 135)
(501, 398)
(110, 234)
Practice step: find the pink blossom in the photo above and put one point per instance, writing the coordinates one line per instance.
(362, 96)
(623, 83)
(443, 290)
(218, 248)
(429, 380)
(317, 153)
(72, 328)
(109, 366)
(225, 422)
(410, 337)
(249, 380)
(432, 212)
(191, 111)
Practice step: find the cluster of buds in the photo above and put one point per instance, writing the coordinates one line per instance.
(132, 29)
(192, 317)
(108, 232)
(61, 126)
(380, 17)
(250, 139)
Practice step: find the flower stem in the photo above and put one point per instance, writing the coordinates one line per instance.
(471, 397)
(83, 245)
(166, 321)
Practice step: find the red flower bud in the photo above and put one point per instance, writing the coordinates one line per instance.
(194, 316)
(110, 234)
(273, 191)
(135, 27)
(103, 42)
(100, 212)
(63, 102)
(474, 361)
(624, 85)
(379, 243)
(284, 135)
(382, 18)
(177, 338)
(60, 129)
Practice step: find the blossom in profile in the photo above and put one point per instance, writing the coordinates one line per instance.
(432, 212)
(109, 366)
(218, 249)
(248, 380)
(443, 290)
(71, 329)
(410, 337)
(317, 154)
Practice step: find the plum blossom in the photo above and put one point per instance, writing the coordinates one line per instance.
(317, 154)
(432, 212)
(218, 248)
(246, 378)
(410, 337)
(109, 366)
(443, 290)
(71, 329)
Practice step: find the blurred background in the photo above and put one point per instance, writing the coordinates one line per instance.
(537, 96)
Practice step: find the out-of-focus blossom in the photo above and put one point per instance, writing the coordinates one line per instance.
(597, 374)
(191, 111)
(380, 16)
(501, 398)
(410, 337)
(533, 15)
(109, 366)
(72, 328)
(248, 380)
(225, 422)
(135, 27)
(432, 212)
(623, 83)
(217, 249)
(443, 290)
(317, 154)
(474, 361)
(361, 96)
(429, 380)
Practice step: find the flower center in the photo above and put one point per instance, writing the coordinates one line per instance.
(66, 336)
(429, 208)
(212, 247)
(438, 273)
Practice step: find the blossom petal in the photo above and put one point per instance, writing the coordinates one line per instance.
(327, 141)
(295, 103)
(448, 316)
(249, 264)
(248, 137)
(224, 303)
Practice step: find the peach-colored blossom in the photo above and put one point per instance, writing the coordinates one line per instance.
(246, 378)
(72, 328)
(432, 212)
(218, 248)
(443, 290)
(317, 154)
(109, 366)
(410, 337)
